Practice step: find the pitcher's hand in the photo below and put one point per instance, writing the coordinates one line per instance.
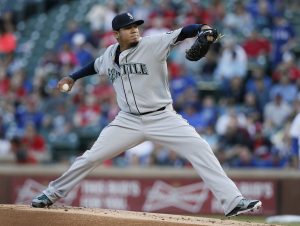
(65, 80)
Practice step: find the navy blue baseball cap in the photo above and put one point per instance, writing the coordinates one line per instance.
(124, 20)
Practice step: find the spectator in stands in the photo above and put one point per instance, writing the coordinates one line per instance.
(281, 146)
(7, 110)
(192, 114)
(73, 28)
(52, 106)
(61, 133)
(244, 158)
(217, 12)
(276, 113)
(4, 82)
(4, 143)
(21, 153)
(250, 107)
(29, 113)
(284, 38)
(105, 95)
(259, 84)
(164, 9)
(209, 111)
(83, 51)
(67, 56)
(9, 20)
(88, 113)
(289, 68)
(285, 87)
(197, 13)
(233, 89)
(34, 143)
(233, 61)
(261, 13)
(257, 48)
(8, 44)
(261, 143)
(229, 114)
(235, 135)
(103, 91)
(189, 93)
(210, 135)
(239, 21)
(174, 160)
(139, 9)
(100, 16)
(139, 155)
(295, 137)
(263, 39)
(156, 27)
(19, 85)
(180, 81)
(209, 64)
(257, 73)
(50, 63)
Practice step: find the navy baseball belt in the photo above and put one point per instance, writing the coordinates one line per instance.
(148, 112)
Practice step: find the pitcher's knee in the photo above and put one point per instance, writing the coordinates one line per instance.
(201, 146)
(90, 158)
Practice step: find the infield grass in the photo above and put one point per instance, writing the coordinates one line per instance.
(250, 219)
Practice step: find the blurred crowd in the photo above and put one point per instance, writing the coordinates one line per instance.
(241, 98)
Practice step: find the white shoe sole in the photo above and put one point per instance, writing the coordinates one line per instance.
(257, 206)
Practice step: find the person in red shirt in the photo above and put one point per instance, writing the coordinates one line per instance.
(288, 67)
(32, 141)
(88, 112)
(4, 82)
(22, 155)
(8, 44)
(256, 45)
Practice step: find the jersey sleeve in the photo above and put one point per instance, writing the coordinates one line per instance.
(165, 42)
(98, 65)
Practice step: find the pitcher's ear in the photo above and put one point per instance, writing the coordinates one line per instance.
(116, 34)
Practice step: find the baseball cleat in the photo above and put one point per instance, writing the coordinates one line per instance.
(41, 201)
(245, 206)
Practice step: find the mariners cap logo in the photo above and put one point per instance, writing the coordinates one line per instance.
(124, 20)
(130, 16)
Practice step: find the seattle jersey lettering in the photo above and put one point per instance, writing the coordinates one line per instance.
(126, 69)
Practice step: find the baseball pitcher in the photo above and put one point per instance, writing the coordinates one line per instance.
(137, 69)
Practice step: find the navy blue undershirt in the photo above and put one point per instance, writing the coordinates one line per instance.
(189, 31)
(87, 70)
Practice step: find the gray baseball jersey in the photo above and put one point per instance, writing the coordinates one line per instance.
(141, 84)
(141, 80)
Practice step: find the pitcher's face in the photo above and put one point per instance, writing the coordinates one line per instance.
(128, 36)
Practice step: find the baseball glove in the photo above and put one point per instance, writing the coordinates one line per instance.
(201, 44)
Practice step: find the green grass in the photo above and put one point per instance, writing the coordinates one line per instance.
(250, 219)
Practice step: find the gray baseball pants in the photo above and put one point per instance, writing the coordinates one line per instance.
(164, 127)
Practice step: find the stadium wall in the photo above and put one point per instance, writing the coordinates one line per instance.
(160, 190)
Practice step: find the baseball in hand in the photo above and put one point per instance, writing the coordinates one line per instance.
(65, 87)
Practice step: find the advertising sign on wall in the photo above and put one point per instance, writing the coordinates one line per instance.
(176, 196)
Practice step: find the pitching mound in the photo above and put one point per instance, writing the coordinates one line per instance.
(21, 215)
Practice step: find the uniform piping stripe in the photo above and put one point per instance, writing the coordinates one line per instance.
(125, 94)
(130, 83)
(133, 95)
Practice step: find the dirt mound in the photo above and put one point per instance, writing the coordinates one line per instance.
(21, 215)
